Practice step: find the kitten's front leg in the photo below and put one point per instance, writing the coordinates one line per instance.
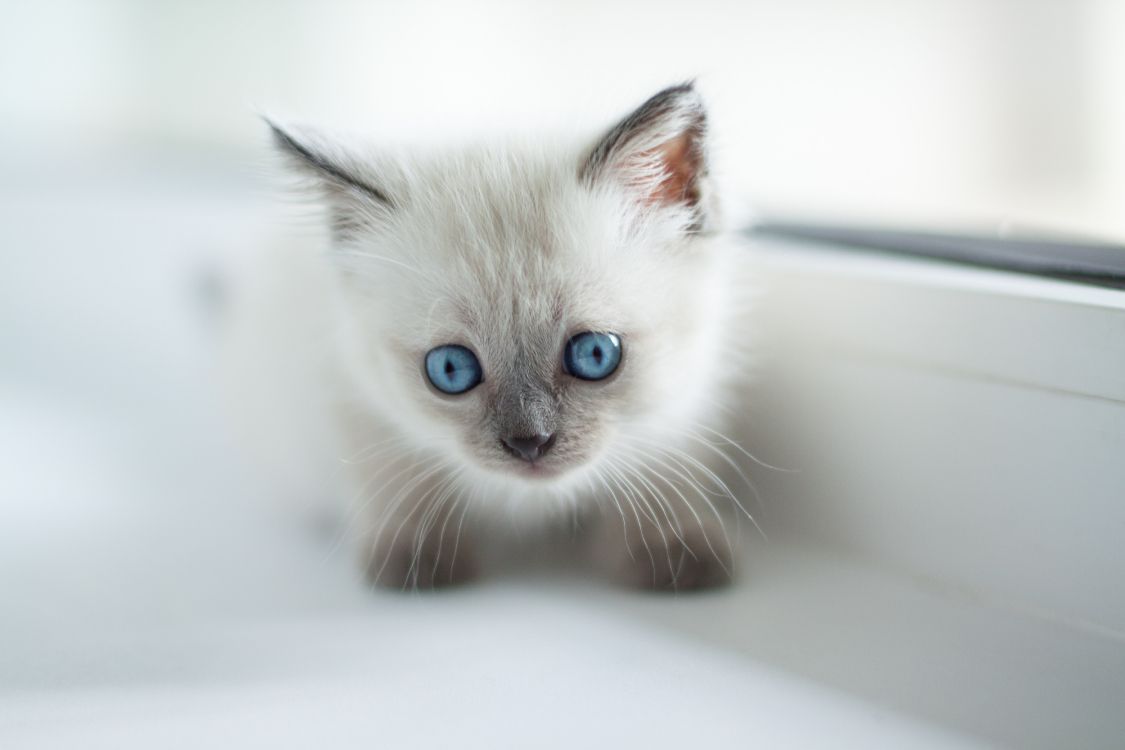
(417, 536)
(655, 535)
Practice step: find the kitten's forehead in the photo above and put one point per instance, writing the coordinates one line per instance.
(510, 240)
(513, 319)
(515, 252)
(513, 205)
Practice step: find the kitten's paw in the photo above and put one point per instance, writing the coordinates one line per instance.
(698, 557)
(404, 564)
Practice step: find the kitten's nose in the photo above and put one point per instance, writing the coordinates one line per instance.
(530, 448)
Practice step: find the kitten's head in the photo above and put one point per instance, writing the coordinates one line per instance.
(529, 313)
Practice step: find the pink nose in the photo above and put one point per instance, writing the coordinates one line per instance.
(529, 448)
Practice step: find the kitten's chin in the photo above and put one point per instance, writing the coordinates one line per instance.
(539, 472)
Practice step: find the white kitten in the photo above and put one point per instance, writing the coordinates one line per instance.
(535, 328)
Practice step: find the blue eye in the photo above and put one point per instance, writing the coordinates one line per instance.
(592, 356)
(453, 369)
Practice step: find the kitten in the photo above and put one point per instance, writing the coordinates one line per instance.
(536, 328)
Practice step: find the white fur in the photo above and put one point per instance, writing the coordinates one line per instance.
(485, 246)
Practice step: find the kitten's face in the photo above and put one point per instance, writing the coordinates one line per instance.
(534, 313)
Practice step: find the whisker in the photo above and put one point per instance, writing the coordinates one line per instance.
(691, 506)
(357, 509)
(661, 502)
(392, 508)
(363, 454)
(677, 454)
(747, 453)
(733, 465)
(640, 527)
(620, 510)
(441, 534)
(631, 488)
(448, 485)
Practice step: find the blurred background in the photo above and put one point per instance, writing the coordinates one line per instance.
(982, 114)
(134, 205)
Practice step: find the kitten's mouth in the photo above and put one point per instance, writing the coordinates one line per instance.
(535, 470)
(540, 470)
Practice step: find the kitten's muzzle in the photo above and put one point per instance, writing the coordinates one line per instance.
(529, 448)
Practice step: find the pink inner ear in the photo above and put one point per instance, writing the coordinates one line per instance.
(680, 162)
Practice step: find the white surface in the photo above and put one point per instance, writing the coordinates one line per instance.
(966, 426)
(189, 623)
(154, 596)
(1027, 331)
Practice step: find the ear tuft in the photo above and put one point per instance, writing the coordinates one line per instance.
(658, 152)
(312, 155)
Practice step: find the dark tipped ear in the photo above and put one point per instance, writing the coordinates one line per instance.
(658, 151)
(314, 156)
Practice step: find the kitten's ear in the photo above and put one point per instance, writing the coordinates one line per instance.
(352, 195)
(659, 153)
